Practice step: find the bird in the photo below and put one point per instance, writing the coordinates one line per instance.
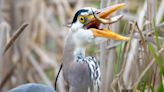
(81, 73)
(32, 87)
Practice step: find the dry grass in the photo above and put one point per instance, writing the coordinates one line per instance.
(35, 54)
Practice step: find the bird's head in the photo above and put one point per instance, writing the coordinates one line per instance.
(86, 24)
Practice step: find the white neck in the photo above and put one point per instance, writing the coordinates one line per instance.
(79, 52)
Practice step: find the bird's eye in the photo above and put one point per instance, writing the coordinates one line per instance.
(82, 19)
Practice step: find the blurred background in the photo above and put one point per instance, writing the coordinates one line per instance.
(36, 55)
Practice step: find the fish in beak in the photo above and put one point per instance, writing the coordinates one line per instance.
(101, 16)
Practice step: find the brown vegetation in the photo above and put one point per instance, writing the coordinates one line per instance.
(33, 53)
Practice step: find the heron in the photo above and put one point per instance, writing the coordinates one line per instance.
(82, 73)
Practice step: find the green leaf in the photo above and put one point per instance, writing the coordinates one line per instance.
(152, 89)
(157, 58)
(160, 88)
(156, 35)
(143, 86)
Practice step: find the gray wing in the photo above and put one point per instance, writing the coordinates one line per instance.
(79, 77)
(84, 75)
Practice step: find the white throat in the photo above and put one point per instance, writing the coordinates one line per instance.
(79, 52)
(82, 39)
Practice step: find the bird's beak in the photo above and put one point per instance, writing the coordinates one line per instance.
(107, 34)
(101, 16)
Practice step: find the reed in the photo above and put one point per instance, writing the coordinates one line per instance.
(33, 53)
